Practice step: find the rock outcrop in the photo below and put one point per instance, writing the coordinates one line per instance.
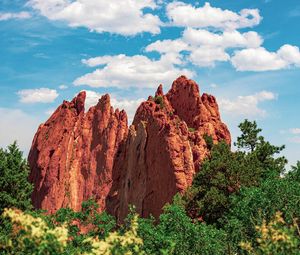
(164, 148)
(72, 154)
(76, 155)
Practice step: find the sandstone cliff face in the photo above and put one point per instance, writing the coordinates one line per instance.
(72, 154)
(76, 155)
(164, 148)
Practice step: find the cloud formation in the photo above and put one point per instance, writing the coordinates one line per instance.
(124, 17)
(137, 71)
(259, 59)
(14, 15)
(186, 15)
(247, 106)
(41, 95)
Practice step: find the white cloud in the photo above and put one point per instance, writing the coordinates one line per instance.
(290, 54)
(17, 125)
(260, 59)
(124, 17)
(132, 71)
(295, 131)
(246, 105)
(207, 56)
(227, 39)
(14, 15)
(41, 95)
(128, 105)
(62, 86)
(204, 48)
(167, 46)
(186, 15)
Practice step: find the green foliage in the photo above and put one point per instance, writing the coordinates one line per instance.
(209, 141)
(255, 204)
(159, 100)
(225, 172)
(96, 225)
(34, 235)
(275, 237)
(249, 137)
(294, 174)
(15, 189)
(191, 129)
(176, 233)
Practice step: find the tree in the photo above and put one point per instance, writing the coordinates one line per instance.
(252, 205)
(224, 172)
(176, 233)
(262, 150)
(15, 189)
(249, 137)
(294, 174)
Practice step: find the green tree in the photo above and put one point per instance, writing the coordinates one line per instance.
(294, 174)
(176, 233)
(249, 137)
(252, 205)
(224, 172)
(15, 189)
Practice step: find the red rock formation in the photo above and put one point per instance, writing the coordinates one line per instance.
(76, 155)
(164, 149)
(72, 154)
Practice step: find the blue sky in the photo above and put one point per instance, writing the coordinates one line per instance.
(246, 53)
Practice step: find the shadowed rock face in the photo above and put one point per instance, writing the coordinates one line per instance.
(76, 155)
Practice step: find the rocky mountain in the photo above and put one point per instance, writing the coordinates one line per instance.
(76, 155)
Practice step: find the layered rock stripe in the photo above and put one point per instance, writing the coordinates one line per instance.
(77, 155)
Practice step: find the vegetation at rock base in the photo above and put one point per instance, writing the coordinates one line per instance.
(242, 202)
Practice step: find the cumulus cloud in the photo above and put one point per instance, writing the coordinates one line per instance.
(260, 59)
(124, 17)
(41, 95)
(227, 39)
(204, 48)
(17, 125)
(247, 106)
(128, 105)
(167, 46)
(207, 56)
(14, 15)
(139, 71)
(186, 15)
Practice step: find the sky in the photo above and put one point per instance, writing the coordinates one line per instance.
(246, 53)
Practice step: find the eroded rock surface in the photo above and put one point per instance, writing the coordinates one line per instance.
(72, 154)
(76, 155)
(164, 148)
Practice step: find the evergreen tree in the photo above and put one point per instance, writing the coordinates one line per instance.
(224, 172)
(15, 189)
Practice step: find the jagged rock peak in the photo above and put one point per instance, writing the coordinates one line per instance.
(164, 148)
(76, 155)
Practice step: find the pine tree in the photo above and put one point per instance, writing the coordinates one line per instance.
(15, 189)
